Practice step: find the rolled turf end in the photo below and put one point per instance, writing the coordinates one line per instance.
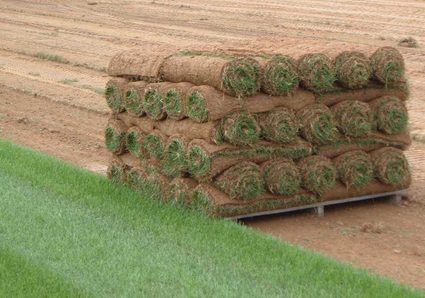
(151, 185)
(391, 166)
(390, 115)
(115, 136)
(196, 107)
(353, 69)
(198, 161)
(241, 77)
(153, 104)
(201, 201)
(282, 176)
(179, 193)
(318, 174)
(353, 118)
(133, 103)
(280, 125)
(174, 161)
(133, 142)
(117, 171)
(317, 72)
(317, 124)
(241, 129)
(280, 76)
(388, 65)
(173, 104)
(242, 181)
(154, 145)
(113, 97)
(355, 169)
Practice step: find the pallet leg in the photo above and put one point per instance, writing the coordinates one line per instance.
(396, 199)
(320, 211)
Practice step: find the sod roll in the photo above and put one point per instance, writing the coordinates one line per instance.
(134, 142)
(317, 72)
(240, 129)
(206, 160)
(280, 125)
(388, 65)
(117, 171)
(153, 185)
(153, 101)
(115, 136)
(114, 94)
(282, 176)
(280, 75)
(235, 76)
(317, 124)
(242, 181)
(208, 104)
(353, 118)
(391, 166)
(174, 161)
(180, 191)
(175, 100)
(355, 169)
(318, 174)
(373, 141)
(133, 98)
(353, 69)
(154, 144)
(390, 114)
(140, 64)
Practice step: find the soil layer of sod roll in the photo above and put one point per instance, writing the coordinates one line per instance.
(240, 129)
(242, 181)
(318, 174)
(134, 142)
(133, 98)
(174, 161)
(115, 136)
(317, 72)
(153, 101)
(391, 166)
(175, 100)
(180, 191)
(279, 76)
(117, 171)
(154, 144)
(353, 118)
(235, 76)
(353, 69)
(388, 65)
(282, 176)
(317, 124)
(355, 169)
(206, 160)
(390, 114)
(114, 94)
(280, 125)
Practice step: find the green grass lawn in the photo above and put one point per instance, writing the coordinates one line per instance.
(67, 232)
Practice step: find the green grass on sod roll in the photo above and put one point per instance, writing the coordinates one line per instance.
(65, 232)
(113, 98)
(196, 108)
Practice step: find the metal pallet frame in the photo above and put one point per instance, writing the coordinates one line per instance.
(319, 208)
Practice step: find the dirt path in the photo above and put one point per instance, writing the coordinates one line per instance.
(57, 107)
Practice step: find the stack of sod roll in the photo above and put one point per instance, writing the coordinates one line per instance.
(233, 135)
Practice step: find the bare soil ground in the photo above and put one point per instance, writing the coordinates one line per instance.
(58, 108)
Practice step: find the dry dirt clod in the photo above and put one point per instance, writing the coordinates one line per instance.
(376, 228)
(408, 42)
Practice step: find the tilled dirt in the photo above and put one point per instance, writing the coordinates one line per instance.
(57, 107)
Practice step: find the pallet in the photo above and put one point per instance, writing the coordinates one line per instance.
(319, 208)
